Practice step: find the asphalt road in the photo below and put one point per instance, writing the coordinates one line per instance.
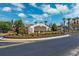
(57, 47)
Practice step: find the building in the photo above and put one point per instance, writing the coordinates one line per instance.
(60, 28)
(38, 28)
(75, 25)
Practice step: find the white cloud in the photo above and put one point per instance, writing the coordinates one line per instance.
(22, 15)
(33, 4)
(26, 21)
(39, 17)
(19, 5)
(69, 15)
(62, 8)
(75, 11)
(45, 15)
(76, 7)
(48, 9)
(7, 9)
(18, 9)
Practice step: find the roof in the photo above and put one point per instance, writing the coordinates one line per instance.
(28, 25)
(39, 25)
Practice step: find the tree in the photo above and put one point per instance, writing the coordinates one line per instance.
(54, 27)
(12, 23)
(64, 20)
(45, 22)
(40, 22)
(35, 22)
(19, 27)
(5, 26)
(77, 22)
(68, 23)
(74, 22)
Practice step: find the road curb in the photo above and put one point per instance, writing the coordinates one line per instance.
(47, 38)
(50, 38)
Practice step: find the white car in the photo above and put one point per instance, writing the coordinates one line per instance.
(1, 38)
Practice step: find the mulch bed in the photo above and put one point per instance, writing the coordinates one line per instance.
(31, 36)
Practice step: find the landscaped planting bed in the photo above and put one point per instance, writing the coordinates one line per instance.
(34, 35)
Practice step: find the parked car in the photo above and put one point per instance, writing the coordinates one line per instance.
(1, 38)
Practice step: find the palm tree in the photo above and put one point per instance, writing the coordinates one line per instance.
(12, 24)
(77, 23)
(45, 22)
(68, 23)
(74, 22)
(64, 20)
(35, 22)
(41, 22)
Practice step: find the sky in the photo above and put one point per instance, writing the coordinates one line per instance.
(38, 12)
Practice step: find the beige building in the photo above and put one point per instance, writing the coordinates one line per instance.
(38, 28)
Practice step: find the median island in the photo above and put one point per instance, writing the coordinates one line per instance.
(34, 35)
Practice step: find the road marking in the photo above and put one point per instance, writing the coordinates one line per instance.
(16, 44)
(73, 52)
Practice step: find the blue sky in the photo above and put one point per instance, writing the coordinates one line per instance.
(31, 12)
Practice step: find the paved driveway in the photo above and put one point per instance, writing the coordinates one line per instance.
(57, 47)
